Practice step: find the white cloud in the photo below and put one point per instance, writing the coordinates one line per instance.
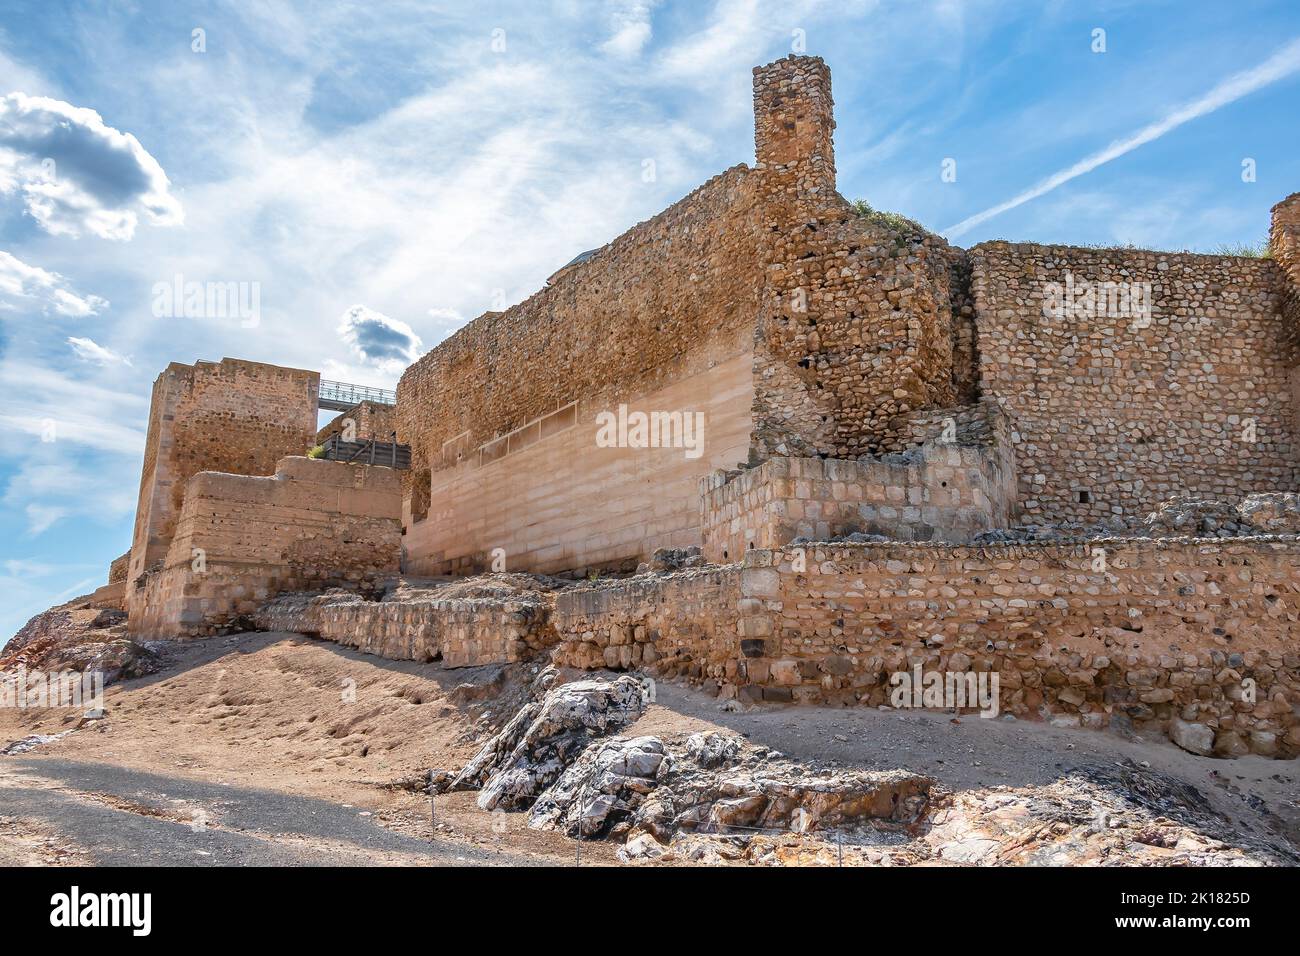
(88, 350)
(52, 484)
(23, 285)
(26, 568)
(377, 339)
(1281, 64)
(632, 30)
(78, 175)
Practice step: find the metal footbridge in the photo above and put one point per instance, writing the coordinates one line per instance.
(340, 396)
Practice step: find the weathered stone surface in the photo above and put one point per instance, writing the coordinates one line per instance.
(493, 619)
(1194, 738)
(79, 638)
(240, 539)
(1082, 632)
(233, 416)
(631, 787)
(1192, 516)
(604, 786)
(1272, 513)
(534, 748)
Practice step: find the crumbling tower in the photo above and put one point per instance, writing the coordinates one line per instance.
(836, 282)
(793, 126)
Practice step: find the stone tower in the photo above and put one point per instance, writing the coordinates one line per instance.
(793, 126)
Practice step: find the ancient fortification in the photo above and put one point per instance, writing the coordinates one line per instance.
(786, 448)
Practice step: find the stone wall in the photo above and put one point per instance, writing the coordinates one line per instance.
(1284, 246)
(502, 416)
(956, 478)
(230, 416)
(1115, 411)
(240, 540)
(549, 498)
(119, 568)
(681, 624)
(112, 595)
(856, 321)
(1127, 631)
(841, 321)
(369, 420)
(457, 632)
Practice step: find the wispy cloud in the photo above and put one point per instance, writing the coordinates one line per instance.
(70, 410)
(632, 29)
(24, 286)
(1280, 65)
(88, 350)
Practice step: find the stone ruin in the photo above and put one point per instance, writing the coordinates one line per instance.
(786, 448)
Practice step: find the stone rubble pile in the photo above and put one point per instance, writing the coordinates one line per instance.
(1188, 515)
(1191, 516)
(1062, 531)
(672, 559)
(1272, 513)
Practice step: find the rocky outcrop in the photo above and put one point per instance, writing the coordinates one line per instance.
(546, 736)
(605, 786)
(1120, 815)
(76, 637)
(636, 787)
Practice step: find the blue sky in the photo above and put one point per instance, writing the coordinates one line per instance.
(386, 171)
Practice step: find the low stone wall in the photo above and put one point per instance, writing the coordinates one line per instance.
(680, 624)
(1140, 631)
(368, 420)
(241, 540)
(460, 632)
(110, 595)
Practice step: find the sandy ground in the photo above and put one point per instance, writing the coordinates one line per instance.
(274, 746)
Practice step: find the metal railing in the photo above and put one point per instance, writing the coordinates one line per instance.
(340, 396)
